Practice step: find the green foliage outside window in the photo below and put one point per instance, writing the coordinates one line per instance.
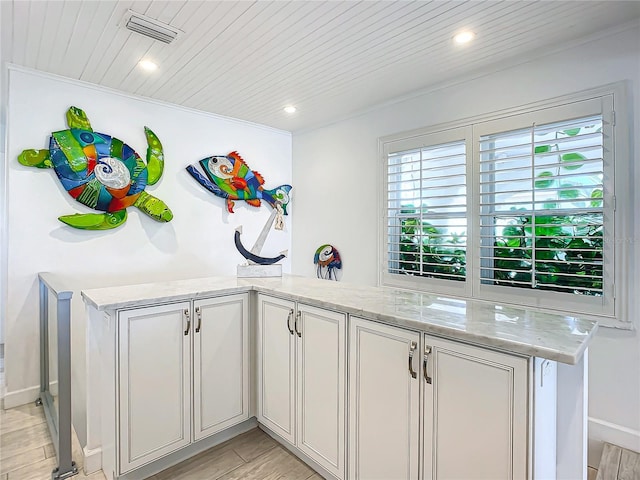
(562, 252)
(426, 250)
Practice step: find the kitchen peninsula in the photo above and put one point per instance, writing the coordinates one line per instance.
(352, 379)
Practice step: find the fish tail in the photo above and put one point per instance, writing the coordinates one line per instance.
(279, 195)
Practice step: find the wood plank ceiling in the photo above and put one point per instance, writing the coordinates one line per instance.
(248, 59)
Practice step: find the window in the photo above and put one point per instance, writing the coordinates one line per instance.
(517, 209)
(427, 212)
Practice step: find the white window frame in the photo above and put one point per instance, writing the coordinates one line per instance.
(455, 287)
(615, 306)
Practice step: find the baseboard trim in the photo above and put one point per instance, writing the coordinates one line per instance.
(601, 431)
(21, 397)
(92, 460)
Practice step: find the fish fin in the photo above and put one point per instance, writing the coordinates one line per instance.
(259, 178)
(230, 204)
(95, 221)
(236, 156)
(239, 183)
(254, 202)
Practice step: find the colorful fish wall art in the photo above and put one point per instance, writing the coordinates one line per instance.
(327, 260)
(229, 177)
(102, 173)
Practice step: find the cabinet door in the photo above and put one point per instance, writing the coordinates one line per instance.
(154, 383)
(321, 370)
(475, 413)
(383, 402)
(276, 363)
(220, 363)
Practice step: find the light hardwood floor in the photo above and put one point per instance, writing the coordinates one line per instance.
(26, 453)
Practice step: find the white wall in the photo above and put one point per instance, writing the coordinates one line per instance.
(335, 170)
(198, 242)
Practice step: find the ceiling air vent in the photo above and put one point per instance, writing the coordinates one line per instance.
(149, 27)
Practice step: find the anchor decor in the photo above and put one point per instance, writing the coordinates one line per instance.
(229, 177)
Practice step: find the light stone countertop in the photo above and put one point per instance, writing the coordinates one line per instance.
(518, 330)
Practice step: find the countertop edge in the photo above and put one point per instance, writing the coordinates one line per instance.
(568, 356)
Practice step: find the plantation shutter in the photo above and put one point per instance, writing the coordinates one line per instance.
(426, 211)
(542, 207)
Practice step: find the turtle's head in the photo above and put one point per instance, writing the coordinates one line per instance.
(76, 118)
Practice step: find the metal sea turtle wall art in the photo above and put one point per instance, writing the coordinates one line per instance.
(102, 173)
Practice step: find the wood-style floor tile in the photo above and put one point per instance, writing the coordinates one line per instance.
(210, 464)
(35, 471)
(20, 417)
(49, 451)
(25, 457)
(252, 444)
(16, 442)
(315, 476)
(28, 454)
(272, 465)
(617, 463)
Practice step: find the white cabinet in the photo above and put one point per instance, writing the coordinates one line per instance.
(220, 364)
(474, 407)
(475, 412)
(276, 366)
(384, 399)
(302, 378)
(155, 383)
(169, 355)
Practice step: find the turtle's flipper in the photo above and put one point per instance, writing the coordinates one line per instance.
(154, 207)
(35, 158)
(95, 221)
(76, 118)
(155, 157)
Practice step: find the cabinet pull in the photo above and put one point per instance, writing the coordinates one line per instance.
(427, 352)
(186, 314)
(412, 349)
(199, 313)
(298, 313)
(289, 321)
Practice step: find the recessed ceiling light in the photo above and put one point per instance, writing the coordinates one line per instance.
(290, 109)
(464, 37)
(148, 65)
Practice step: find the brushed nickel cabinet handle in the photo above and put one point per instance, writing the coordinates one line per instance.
(289, 321)
(298, 313)
(427, 352)
(199, 313)
(186, 314)
(412, 349)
